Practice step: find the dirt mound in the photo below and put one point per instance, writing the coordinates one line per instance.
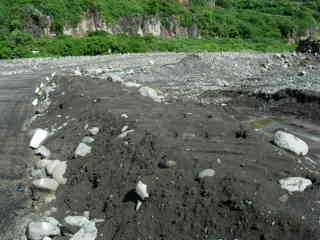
(241, 201)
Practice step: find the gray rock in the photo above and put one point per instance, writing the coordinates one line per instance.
(77, 221)
(82, 150)
(206, 173)
(167, 164)
(46, 184)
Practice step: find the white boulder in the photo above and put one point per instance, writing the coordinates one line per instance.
(39, 136)
(290, 142)
(46, 184)
(82, 150)
(151, 93)
(42, 229)
(295, 184)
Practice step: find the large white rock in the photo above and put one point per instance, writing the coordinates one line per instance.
(295, 184)
(141, 190)
(290, 142)
(77, 221)
(46, 184)
(39, 136)
(82, 150)
(42, 229)
(151, 93)
(87, 232)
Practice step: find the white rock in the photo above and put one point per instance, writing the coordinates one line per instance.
(94, 130)
(39, 136)
(59, 171)
(77, 221)
(43, 151)
(131, 84)
(141, 190)
(87, 140)
(47, 238)
(290, 142)
(46, 184)
(42, 163)
(124, 134)
(125, 128)
(51, 165)
(82, 150)
(39, 230)
(52, 220)
(77, 72)
(151, 93)
(206, 173)
(87, 232)
(35, 102)
(295, 184)
(124, 115)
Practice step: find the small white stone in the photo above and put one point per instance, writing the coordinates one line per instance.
(82, 150)
(51, 165)
(43, 151)
(131, 84)
(290, 142)
(138, 206)
(87, 232)
(206, 173)
(124, 115)
(295, 184)
(141, 190)
(151, 93)
(46, 184)
(42, 163)
(94, 130)
(125, 128)
(39, 136)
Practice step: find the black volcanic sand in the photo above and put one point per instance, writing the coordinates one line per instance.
(240, 202)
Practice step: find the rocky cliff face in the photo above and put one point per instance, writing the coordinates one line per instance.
(134, 25)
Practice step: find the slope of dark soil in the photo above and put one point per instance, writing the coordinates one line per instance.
(240, 202)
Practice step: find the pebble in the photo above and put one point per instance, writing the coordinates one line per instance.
(295, 184)
(206, 173)
(125, 134)
(59, 171)
(46, 184)
(290, 142)
(82, 150)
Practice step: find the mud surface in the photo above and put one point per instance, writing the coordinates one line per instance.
(221, 112)
(241, 201)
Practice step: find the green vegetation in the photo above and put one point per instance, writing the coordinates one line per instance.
(21, 45)
(263, 25)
